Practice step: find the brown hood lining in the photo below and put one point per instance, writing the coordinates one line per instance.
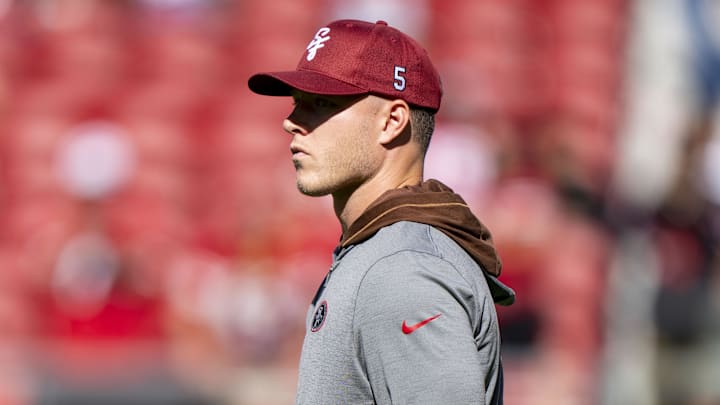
(435, 204)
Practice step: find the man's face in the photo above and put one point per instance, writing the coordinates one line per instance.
(334, 142)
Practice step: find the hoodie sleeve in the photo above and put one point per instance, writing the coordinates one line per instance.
(425, 334)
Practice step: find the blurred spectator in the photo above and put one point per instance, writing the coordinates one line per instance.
(410, 16)
(663, 342)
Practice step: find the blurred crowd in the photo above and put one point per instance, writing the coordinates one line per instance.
(154, 249)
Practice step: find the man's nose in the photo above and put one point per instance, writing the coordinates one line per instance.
(293, 128)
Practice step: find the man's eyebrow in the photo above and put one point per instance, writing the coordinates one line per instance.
(298, 93)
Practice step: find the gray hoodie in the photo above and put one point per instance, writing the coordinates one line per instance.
(406, 313)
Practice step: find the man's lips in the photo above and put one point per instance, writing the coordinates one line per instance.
(298, 151)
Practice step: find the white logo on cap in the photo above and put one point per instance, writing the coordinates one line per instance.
(317, 42)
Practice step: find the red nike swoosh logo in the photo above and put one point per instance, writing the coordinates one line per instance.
(412, 328)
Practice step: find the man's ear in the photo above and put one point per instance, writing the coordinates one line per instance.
(397, 123)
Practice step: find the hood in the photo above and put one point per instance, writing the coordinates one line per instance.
(435, 204)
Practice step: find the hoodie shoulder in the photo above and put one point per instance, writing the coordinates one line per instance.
(422, 238)
(405, 235)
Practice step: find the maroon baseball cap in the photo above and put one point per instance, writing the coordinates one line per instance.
(349, 57)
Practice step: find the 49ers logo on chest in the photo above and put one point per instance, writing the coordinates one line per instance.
(319, 317)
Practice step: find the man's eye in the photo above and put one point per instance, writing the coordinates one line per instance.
(324, 103)
(316, 102)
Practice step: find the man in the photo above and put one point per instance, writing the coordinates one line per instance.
(405, 314)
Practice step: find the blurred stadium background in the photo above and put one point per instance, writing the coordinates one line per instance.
(154, 249)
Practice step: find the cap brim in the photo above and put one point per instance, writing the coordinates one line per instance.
(281, 83)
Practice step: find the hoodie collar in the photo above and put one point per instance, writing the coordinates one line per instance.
(434, 204)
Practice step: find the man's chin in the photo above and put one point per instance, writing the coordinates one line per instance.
(311, 191)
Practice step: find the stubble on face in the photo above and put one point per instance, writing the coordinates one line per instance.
(343, 158)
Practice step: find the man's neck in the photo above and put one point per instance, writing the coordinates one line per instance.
(350, 205)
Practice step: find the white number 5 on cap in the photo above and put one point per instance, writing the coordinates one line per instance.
(399, 82)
